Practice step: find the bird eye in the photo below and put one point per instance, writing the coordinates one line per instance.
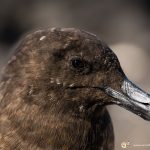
(79, 65)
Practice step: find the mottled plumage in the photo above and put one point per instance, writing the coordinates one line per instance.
(54, 90)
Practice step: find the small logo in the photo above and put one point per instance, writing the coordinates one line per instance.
(125, 144)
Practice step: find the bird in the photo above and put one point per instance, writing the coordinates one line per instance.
(55, 88)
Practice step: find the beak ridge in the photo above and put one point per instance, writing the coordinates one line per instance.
(131, 98)
(135, 92)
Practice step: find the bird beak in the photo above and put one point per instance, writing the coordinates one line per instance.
(132, 98)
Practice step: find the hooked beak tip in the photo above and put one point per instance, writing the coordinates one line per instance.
(134, 92)
(132, 98)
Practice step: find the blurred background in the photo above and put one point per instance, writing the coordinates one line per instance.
(123, 24)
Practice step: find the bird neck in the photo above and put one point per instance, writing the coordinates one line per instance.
(60, 131)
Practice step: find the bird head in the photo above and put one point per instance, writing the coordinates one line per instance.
(71, 71)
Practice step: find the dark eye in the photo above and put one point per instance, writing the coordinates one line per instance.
(79, 65)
